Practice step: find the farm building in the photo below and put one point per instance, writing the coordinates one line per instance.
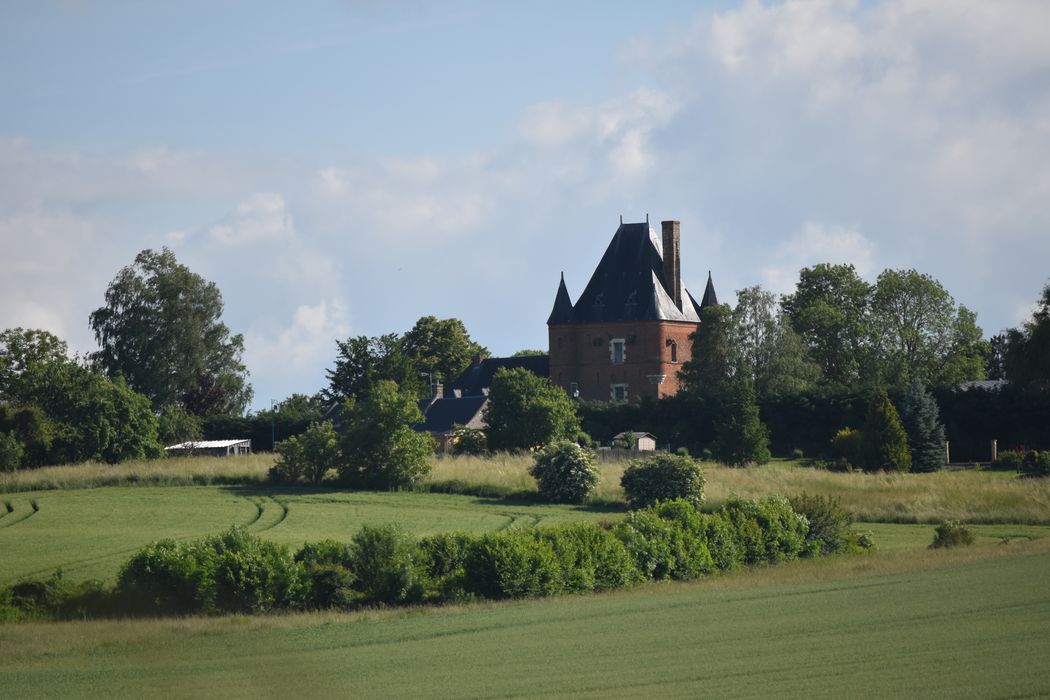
(631, 329)
(210, 448)
(644, 442)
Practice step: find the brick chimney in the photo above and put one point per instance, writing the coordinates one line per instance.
(672, 263)
(439, 390)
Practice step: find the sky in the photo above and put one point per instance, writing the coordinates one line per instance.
(344, 168)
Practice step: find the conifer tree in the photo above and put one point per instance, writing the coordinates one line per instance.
(740, 436)
(921, 419)
(883, 442)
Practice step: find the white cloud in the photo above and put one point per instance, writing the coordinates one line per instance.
(305, 343)
(817, 243)
(261, 217)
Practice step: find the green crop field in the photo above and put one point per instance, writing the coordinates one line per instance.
(963, 623)
(88, 533)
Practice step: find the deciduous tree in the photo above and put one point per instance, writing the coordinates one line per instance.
(526, 411)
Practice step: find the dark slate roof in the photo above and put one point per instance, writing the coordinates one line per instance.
(710, 298)
(478, 377)
(562, 312)
(628, 284)
(446, 412)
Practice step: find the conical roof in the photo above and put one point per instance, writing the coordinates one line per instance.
(562, 312)
(710, 298)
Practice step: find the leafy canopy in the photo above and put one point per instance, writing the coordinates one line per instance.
(526, 411)
(160, 329)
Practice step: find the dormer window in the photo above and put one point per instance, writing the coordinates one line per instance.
(616, 351)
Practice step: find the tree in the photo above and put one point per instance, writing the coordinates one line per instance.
(362, 362)
(308, 457)
(740, 436)
(91, 417)
(883, 441)
(526, 411)
(177, 425)
(161, 330)
(380, 449)
(441, 348)
(529, 353)
(918, 333)
(1027, 358)
(10, 453)
(767, 348)
(995, 363)
(712, 362)
(922, 422)
(829, 311)
(21, 347)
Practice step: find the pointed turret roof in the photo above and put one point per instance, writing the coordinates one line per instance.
(710, 298)
(562, 312)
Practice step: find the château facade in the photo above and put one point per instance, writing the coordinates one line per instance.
(631, 329)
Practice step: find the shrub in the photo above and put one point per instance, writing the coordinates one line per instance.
(385, 561)
(951, 534)
(1009, 460)
(682, 452)
(846, 447)
(1036, 463)
(662, 477)
(883, 442)
(512, 564)
(565, 472)
(167, 577)
(10, 453)
(328, 572)
(830, 525)
(722, 543)
(54, 598)
(667, 541)
(470, 441)
(740, 435)
(797, 453)
(307, 457)
(590, 557)
(441, 560)
(767, 530)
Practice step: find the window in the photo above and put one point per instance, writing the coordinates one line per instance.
(574, 390)
(616, 351)
(619, 393)
(674, 351)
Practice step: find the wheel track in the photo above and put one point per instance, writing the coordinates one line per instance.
(12, 520)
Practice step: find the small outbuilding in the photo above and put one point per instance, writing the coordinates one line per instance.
(644, 442)
(210, 448)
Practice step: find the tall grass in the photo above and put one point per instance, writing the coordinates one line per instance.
(171, 471)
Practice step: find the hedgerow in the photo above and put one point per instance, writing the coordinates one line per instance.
(239, 572)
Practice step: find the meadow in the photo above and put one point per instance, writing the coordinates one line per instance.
(914, 623)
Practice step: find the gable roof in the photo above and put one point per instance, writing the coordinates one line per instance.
(627, 285)
(443, 413)
(477, 378)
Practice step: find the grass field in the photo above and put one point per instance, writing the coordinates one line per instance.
(88, 533)
(963, 623)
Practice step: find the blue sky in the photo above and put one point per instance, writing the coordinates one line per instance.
(344, 168)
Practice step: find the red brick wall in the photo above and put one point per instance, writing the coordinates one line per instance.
(581, 354)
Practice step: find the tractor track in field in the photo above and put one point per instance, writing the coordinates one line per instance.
(280, 518)
(10, 519)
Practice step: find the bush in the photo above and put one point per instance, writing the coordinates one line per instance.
(385, 561)
(830, 525)
(768, 530)
(54, 598)
(167, 577)
(590, 557)
(846, 447)
(1036, 463)
(951, 534)
(307, 457)
(10, 453)
(662, 477)
(722, 543)
(740, 436)
(1009, 460)
(797, 453)
(883, 441)
(512, 564)
(565, 472)
(667, 541)
(330, 578)
(441, 560)
(470, 441)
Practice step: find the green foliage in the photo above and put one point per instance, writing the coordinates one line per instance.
(1009, 460)
(512, 564)
(830, 525)
(31, 428)
(54, 598)
(846, 446)
(386, 564)
(307, 457)
(590, 557)
(470, 441)
(440, 347)
(713, 354)
(10, 453)
(922, 422)
(829, 310)
(161, 330)
(526, 411)
(769, 352)
(951, 534)
(1027, 354)
(90, 417)
(176, 425)
(726, 552)
(231, 572)
(1036, 463)
(662, 477)
(740, 436)
(380, 450)
(565, 472)
(362, 362)
(768, 530)
(442, 558)
(883, 442)
(667, 541)
(22, 347)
